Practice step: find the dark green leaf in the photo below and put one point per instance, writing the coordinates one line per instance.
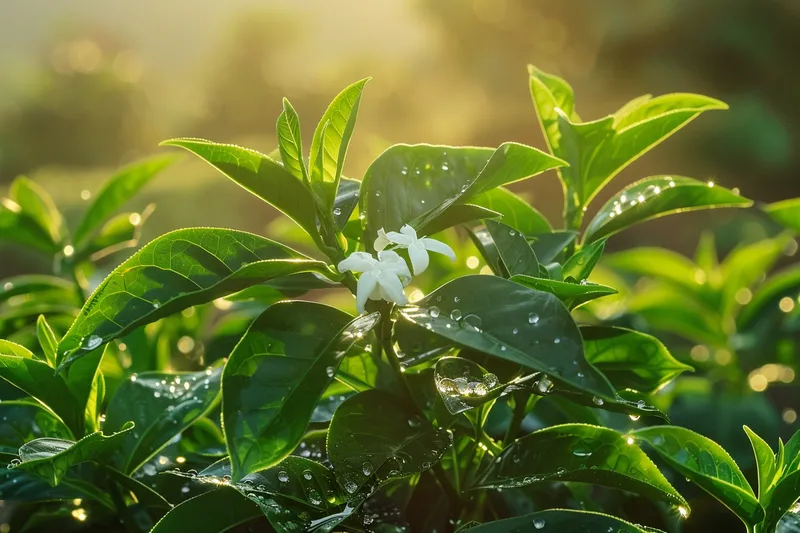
(455, 215)
(483, 242)
(765, 463)
(783, 497)
(571, 294)
(161, 405)
(215, 511)
(786, 212)
(505, 319)
(260, 175)
(290, 142)
(631, 360)
(346, 201)
(24, 421)
(516, 212)
(175, 271)
(276, 375)
(655, 197)
(579, 452)
(514, 250)
(549, 245)
(580, 265)
(144, 495)
(117, 191)
(330, 141)
(374, 433)
(50, 458)
(562, 520)
(16, 485)
(707, 465)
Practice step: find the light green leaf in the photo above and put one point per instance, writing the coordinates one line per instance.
(50, 458)
(765, 463)
(260, 175)
(767, 296)
(786, 212)
(504, 319)
(175, 271)
(277, 374)
(516, 212)
(656, 197)
(37, 204)
(573, 295)
(18, 227)
(119, 233)
(558, 520)
(746, 264)
(581, 264)
(514, 250)
(631, 360)
(659, 263)
(117, 191)
(290, 142)
(707, 465)
(47, 340)
(330, 141)
(583, 453)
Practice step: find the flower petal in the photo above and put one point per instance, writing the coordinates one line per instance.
(399, 238)
(408, 231)
(392, 288)
(391, 261)
(419, 257)
(439, 247)
(366, 284)
(357, 262)
(381, 241)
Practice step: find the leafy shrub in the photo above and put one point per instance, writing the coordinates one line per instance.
(503, 402)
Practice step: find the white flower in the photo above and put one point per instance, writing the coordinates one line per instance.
(382, 278)
(417, 248)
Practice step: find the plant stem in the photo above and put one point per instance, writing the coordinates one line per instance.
(520, 401)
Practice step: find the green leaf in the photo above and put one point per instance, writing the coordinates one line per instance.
(346, 201)
(655, 197)
(707, 465)
(330, 141)
(259, 175)
(144, 495)
(175, 271)
(119, 233)
(40, 287)
(767, 296)
(579, 452)
(161, 405)
(580, 265)
(746, 264)
(765, 463)
(558, 520)
(786, 212)
(550, 93)
(215, 511)
(463, 384)
(277, 374)
(37, 379)
(662, 264)
(116, 192)
(18, 227)
(549, 245)
(37, 204)
(573, 295)
(374, 433)
(506, 320)
(24, 421)
(47, 340)
(516, 212)
(631, 359)
(50, 458)
(782, 498)
(290, 142)
(455, 215)
(514, 250)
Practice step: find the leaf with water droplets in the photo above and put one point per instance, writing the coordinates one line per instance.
(463, 384)
(551, 344)
(175, 271)
(708, 465)
(378, 428)
(24, 421)
(161, 405)
(581, 264)
(561, 521)
(514, 250)
(51, 458)
(583, 453)
(656, 197)
(631, 360)
(573, 295)
(345, 202)
(277, 374)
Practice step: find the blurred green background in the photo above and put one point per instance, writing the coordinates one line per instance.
(88, 85)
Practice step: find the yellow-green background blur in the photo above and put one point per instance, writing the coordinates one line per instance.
(88, 85)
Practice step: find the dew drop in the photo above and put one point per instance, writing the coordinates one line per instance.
(634, 417)
(480, 389)
(515, 331)
(455, 315)
(556, 340)
(533, 318)
(337, 211)
(350, 486)
(538, 523)
(308, 475)
(366, 468)
(433, 311)
(283, 477)
(598, 401)
(93, 342)
(456, 299)
(330, 371)
(473, 321)
(544, 385)
(313, 497)
(490, 380)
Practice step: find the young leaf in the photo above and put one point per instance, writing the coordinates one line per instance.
(506, 320)
(290, 142)
(175, 271)
(215, 511)
(161, 405)
(656, 197)
(277, 374)
(707, 465)
(18, 227)
(786, 212)
(47, 340)
(580, 265)
(583, 453)
(516, 212)
(116, 192)
(374, 433)
(765, 462)
(50, 458)
(573, 295)
(631, 360)
(330, 141)
(514, 250)
(558, 520)
(260, 175)
(37, 204)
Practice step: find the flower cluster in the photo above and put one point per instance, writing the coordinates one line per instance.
(384, 278)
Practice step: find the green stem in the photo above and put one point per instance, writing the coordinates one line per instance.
(520, 401)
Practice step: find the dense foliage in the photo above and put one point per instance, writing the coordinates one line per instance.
(192, 389)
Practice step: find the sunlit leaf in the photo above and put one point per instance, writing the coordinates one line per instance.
(39, 206)
(765, 462)
(572, 294)
(20, 228)
(786, 212)
(581, 264)
(516, 212)
(290, 142)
